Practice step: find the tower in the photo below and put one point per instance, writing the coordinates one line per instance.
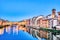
(53, 13)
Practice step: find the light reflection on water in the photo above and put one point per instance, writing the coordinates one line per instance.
(10, 33)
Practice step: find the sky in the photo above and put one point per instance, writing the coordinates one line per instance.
(17, 10)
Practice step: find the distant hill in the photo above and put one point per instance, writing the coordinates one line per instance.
(3, 20)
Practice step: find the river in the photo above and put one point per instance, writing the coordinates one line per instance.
(10, 35)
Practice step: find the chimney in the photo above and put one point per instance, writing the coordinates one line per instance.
(53, 13)
(58, 15)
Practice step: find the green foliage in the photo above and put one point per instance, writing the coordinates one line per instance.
(50, 30)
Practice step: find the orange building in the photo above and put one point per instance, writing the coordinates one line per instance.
(44, 23)
(39, 22)
(1, 22)
(28, 22)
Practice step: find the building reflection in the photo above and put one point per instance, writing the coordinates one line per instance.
(8, 29)
(14, 29)
(1, 31)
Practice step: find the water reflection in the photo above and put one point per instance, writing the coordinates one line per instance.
(15, 31)
(9, 29)
(1, 31)
(10, 33)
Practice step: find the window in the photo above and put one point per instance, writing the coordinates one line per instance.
(59, 22)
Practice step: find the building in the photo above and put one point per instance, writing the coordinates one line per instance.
(1, 22)
(28, 22)
(49, 21)
(53, 13)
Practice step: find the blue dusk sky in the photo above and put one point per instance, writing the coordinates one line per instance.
(16, 10)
